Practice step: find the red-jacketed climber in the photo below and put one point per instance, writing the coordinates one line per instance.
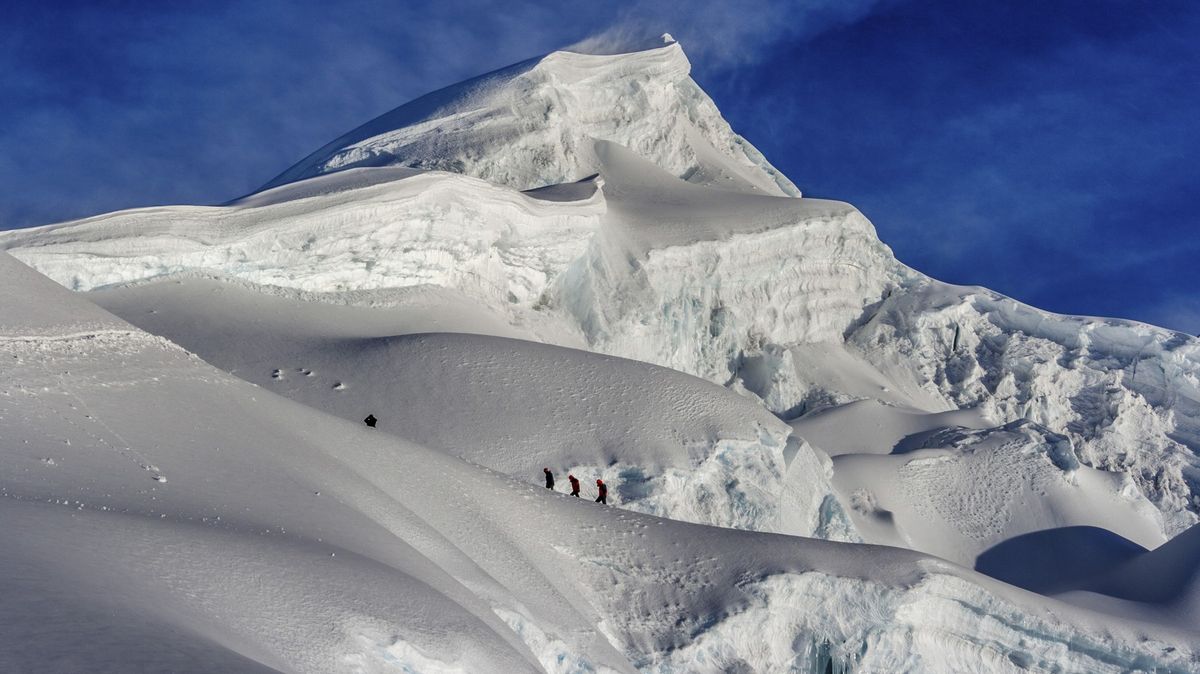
(574, 485)
(603, 497)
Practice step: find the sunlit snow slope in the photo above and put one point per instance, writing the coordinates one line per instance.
(160, 514)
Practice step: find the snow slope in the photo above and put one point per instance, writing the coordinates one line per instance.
(349, 232)
(965, 492)
(151, 505)
(1167, 578)
(533, 123)
(954, 493)
(665, 442)
(178, 518)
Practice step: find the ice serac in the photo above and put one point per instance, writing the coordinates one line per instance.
(720, 285)
(533, 124)
(356, 230)
(1126, 394)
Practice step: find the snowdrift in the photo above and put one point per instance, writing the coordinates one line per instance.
(664, 442)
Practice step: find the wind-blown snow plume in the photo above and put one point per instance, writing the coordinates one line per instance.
(721, 34)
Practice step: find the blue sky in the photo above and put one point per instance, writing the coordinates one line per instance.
(1046, 150)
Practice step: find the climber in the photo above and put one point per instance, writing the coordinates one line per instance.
(574, 485)
(603, 497)
(549, 478)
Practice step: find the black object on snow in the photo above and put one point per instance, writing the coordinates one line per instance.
(371, 420)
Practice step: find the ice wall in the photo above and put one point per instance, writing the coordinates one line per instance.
(355, 233)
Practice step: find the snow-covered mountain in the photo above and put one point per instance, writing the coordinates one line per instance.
(534, 123)
(575, 263)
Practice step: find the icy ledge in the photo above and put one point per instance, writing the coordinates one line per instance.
(383, 228)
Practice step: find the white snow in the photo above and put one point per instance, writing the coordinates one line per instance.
(665, 442)
(290, 540)
(960, 493)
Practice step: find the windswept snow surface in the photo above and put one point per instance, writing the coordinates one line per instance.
(964, 492)
(166, 515)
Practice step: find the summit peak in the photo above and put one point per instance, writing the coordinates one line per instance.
(534, 124)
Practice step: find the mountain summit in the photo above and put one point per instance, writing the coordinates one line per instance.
(533, 124)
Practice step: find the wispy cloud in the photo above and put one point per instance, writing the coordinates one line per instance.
(1177, 311)
(723, 35)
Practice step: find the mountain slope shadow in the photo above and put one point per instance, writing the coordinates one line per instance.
(1051, 560)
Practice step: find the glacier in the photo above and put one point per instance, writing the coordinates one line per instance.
(575, 263)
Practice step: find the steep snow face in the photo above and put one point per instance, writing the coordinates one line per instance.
(1126, 394)
(868, 426)
(717, 284)
(533, 124)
